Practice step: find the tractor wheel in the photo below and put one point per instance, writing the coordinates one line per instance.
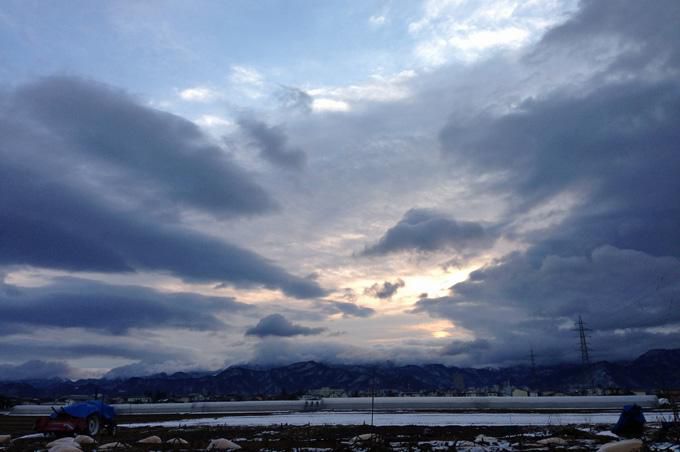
(93, 425)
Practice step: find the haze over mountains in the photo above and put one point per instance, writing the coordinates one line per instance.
(654, 370)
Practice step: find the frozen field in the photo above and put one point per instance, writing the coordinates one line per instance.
(395, 419)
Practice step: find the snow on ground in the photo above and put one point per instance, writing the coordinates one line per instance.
(387, 419)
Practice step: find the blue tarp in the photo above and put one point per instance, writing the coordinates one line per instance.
(84, 409)
(631, 422)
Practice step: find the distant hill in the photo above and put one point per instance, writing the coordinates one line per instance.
(654, 370)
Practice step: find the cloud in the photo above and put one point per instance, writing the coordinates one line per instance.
(323, 104)
(627, 297)
(377, 20)
(292, 98)
(146, 368)
(199, 94)
(278, 325)
(214, 121)
(428, 230)
(247, 80)
(157, 154)
(384, 290)
(272, 143)
(634, 37)
(469, 30)
(90, 181)
(379, 88)
(455, 348)
(246, 75)
(345, 308)
(35, 370)
(611, 136)
(78, 303)
(55, 344)
(276, 351)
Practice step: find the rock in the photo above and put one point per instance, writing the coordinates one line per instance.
(150, 440)
(177, 442)
(5, 439)
(65, 448)
(555, 441)
(66, 441)
(486, 439)
(84, 439)
(222, 444)
(363, 438)
(113, 446)
(628, 445)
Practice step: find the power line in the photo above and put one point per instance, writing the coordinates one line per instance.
(585, 352)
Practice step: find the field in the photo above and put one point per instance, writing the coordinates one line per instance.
(562, 434)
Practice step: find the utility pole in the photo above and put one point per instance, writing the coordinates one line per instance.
(532, 359)
(372, 395)
(585, 352)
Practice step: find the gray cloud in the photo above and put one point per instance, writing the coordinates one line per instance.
(627, 297)
(593, 109)
(642, 35)
(292, 98)
(145, 368)
(100, 346)
(429, 230)
(347, 309)
(612, 137)
(455, 348)
(159, 154)
(384, 290)
(278, 325)
(77, 303)
(34, 370)
(272, 143)
(274, 351)
(55, 211)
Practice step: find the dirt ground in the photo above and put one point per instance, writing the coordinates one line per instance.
(403, 438)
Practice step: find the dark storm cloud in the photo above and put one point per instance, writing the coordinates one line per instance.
(100, 346)
(278, 325)
(273, 351)
(612, 137)
(642, 33)
(69, 303)
(145, 368)
(35, 369)
(157, 153)
(88, 196)
(611, 142)
(347, 309)
(272, 143)
(429, 230)
(457, 347)
(47, 223)
(384, 290)
(627, 297)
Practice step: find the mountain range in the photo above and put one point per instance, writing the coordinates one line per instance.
(654, 370)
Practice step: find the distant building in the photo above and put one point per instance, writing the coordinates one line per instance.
(326, 393)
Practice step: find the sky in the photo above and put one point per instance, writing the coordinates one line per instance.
(196, 185)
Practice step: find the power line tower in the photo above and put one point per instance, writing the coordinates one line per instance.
(585, 353)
